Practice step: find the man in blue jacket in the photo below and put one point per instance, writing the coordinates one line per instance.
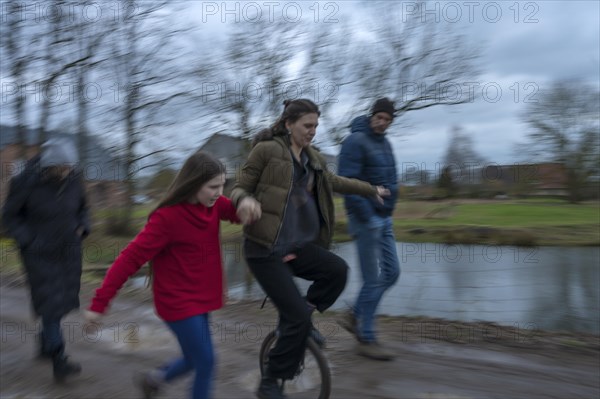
(367, 155)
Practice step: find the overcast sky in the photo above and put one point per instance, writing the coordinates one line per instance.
(525, 47)
(551, 40)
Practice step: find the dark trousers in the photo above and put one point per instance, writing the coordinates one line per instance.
(52, 342)
(328, 273)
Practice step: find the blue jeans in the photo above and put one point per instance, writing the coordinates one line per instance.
(379, 265)
(194, 339)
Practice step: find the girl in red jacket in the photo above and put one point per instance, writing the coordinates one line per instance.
(181, 240)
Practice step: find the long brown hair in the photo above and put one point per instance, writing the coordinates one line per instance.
(199, 168)
(292, 111)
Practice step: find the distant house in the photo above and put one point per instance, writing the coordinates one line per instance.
(230, 150)
(233, 152)
(103, 174)
(527, 179)
(552, 179)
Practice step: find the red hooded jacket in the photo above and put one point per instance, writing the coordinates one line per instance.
(182, 241)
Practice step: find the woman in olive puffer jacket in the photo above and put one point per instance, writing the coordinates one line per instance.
(288, 179)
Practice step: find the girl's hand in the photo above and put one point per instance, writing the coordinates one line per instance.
(382, 192)
(249, 210)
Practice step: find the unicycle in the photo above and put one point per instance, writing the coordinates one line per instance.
(313, 377)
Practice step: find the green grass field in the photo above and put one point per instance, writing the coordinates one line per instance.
(499, 215)
(518, 222)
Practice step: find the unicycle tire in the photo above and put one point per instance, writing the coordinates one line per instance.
(314, 374)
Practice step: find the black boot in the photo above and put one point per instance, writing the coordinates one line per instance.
(62, 367)
(270, 388)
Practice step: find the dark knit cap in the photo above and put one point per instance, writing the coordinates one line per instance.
(383, 105)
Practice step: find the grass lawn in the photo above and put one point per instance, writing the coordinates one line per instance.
(511, 222)
(499, 215)
(516, 222)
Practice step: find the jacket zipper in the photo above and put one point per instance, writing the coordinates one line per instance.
(319, 185)
(287, 200)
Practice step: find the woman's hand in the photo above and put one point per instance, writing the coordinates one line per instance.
(249, 210)
(382, 192)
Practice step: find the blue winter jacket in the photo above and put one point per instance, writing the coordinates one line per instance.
(368, 156)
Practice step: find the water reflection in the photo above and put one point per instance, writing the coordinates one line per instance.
(545, 287)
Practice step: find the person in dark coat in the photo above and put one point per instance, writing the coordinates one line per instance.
(46, 213)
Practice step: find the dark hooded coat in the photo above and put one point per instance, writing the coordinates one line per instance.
(47, 216)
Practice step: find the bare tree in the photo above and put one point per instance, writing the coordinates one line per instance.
(143, 56)
(423, 62)
(348, 64)
(248, 80)
(58, 58)
(565, 128)
(89, 38)
(446, 183)
(417, 62)
(462, 159)
(62, 43)
(330, 66)
(342, 66)
(70, 48)
(15, 39)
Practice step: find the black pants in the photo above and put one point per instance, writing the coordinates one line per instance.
(52, 341)
(328, 273)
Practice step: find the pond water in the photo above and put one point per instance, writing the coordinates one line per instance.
(550, 288)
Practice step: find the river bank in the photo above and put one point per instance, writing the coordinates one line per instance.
(528, 222)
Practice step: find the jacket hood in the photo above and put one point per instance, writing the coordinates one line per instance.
(362, 124)
(262, 135)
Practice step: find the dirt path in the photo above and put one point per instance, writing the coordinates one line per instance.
(436, 359)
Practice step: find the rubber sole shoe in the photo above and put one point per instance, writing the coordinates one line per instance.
(269, 388)
(349, 323)
(373, 350)
(146, 385)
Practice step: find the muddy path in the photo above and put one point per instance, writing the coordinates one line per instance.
(435, 358)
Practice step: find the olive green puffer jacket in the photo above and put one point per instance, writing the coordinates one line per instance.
(267, 176)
